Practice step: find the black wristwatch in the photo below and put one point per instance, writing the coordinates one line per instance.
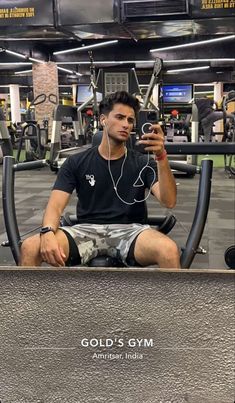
(44, 230)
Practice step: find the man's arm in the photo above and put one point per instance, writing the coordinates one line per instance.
(50, 249)
(165, 189)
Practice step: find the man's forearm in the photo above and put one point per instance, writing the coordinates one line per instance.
(167, 185)
(51, 218)
(54, 209)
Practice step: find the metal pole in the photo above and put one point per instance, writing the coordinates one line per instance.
(200, 215)
(8, 202)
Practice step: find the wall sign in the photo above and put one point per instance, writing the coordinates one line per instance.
(26, 12)
(213, 8)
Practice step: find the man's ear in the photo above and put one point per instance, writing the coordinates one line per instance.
(102, 120)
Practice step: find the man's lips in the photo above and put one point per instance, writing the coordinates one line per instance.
(123, 133)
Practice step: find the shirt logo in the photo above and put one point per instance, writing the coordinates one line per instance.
(91, 179)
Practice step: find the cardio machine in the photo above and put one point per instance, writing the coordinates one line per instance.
(5, 138)
(32, 136)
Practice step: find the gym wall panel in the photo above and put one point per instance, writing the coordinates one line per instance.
(116, 335)
(83, 12)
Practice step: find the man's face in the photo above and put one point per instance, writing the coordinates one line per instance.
(119, 122)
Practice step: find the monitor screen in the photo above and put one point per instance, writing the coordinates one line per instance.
(84, 93)
(177, 94)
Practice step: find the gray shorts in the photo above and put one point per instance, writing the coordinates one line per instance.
(102, 239)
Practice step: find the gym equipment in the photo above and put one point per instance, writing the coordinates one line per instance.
(157, 67)
(229, 256)
(200, 148)
(205, 124)
(5, 138)
(178, 129)
(73, 115)
(32, 136)
(66, 114)
(229, 133)
(195, 234)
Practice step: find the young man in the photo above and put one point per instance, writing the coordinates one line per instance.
(110, 182)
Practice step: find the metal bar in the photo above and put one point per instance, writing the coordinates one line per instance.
(6, 146)
(184, 167)
(8, 199)
(26, 166)
(156, 70)
(8, 202)
(200, 148)
(200, 214)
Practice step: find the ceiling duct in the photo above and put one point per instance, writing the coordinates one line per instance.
(133, 10)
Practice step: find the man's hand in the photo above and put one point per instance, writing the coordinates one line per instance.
(154, 140)
(51, 251)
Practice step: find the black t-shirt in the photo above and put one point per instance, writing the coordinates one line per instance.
(98, 203)
(205, 107)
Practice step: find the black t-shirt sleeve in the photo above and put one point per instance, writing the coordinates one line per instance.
(66, 178)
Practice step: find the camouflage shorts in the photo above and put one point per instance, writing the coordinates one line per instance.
(100, 239)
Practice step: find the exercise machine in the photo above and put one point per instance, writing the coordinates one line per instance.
(229, 132)
(5, 138)
(195, 233)
(68, 115)
(33, 137)
(71, 114)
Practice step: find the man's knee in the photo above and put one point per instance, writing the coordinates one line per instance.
(169, 249)
(30, 245)
(156, 248)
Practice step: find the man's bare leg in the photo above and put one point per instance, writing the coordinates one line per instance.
(153, 247)
(30, 249)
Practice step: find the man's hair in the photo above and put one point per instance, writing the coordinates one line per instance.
(119, 97)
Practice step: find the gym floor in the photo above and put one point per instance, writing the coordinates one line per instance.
(32, 189)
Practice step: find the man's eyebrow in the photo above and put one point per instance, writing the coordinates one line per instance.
(124, 116)
(120, 114)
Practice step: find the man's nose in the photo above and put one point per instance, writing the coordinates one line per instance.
(125, 123)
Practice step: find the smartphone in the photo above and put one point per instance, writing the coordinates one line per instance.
(146, 118)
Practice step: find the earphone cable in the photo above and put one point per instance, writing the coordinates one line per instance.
(115, 185)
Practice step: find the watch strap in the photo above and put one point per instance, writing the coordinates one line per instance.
(44, 230)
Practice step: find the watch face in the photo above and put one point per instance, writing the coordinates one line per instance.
(43, 230)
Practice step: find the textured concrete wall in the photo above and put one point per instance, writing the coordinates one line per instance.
(185, 321)
(45, 81)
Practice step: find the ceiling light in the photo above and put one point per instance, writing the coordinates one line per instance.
(15, 64)
(15, 54)
(188, 69)
(203, 92)
(198, 60)
(81, 48)
(23, 56)
(148, 62)
(69, 71)
(36, 60)
(36, 39)
(23, 72)
(110, 62)
(194, 43)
